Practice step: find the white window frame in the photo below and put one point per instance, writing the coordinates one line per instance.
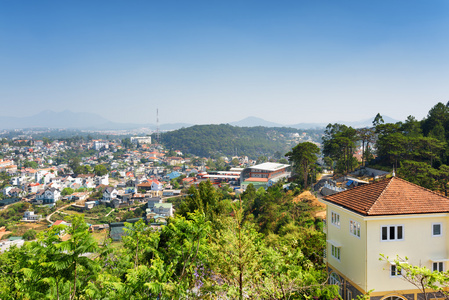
(355, 228)
(389, 239)
(394, 272)
(438, 264)
(441, 229)
(335, 279)
(348, 294)
(335, 219)
(336, 252)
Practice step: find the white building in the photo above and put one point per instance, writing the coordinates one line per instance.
(98, 144)
(30, 216)
(139, 140)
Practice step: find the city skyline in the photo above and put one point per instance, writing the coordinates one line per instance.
(206, 63)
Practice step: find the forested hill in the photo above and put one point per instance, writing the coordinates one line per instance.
(224, 139)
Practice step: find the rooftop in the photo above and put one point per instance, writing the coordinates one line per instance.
(393, 196)
(269, 166)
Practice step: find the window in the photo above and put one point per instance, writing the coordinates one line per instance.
(335, 219)
(394, 271)
(438, 266)
(336, 252)
(348, 294)
(436, 229)
(392, 233)
(335, 279)
(354, 228)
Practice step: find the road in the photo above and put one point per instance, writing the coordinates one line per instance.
(49, 216)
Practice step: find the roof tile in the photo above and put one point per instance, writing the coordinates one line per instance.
(393, 196)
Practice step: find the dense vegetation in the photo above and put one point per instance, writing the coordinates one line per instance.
(216, 140)
(264, 246)
(417, 150)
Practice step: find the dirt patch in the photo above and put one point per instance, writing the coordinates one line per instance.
(307, 196)
(2, 233)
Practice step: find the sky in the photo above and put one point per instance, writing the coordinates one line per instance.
(211, 62)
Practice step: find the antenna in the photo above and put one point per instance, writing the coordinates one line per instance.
(158, 134)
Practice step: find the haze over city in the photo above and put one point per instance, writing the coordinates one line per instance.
(207, 62)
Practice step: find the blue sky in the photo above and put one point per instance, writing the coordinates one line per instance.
(221, 61)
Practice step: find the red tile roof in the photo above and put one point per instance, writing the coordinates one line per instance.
(393, 196)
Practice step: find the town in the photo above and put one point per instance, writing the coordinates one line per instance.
(349, 216)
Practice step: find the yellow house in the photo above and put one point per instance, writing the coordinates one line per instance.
(392, 217)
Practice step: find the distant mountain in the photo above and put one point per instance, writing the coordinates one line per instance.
(254, 121)
(308, 125)
(51, 119)
(367, 122)
(78, 120)
(355, 124)
(91, 121)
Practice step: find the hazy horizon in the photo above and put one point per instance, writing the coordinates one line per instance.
(203, 62)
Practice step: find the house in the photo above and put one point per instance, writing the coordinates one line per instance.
(391, 217)
(156, 185)
(30, 216)
(90, 204)
(146, 185)
(17, 193)
(109, 193)
(48, 196)
(152, 201)
(172, 175)
(171, 192)
(163, 209)
(102, 179)
(33, 187)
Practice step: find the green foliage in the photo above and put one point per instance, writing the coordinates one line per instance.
(67, 191)
(427, 281)
(339, 143)
(29, 235)
(204, 199)
(302, 157)
(209, 140)
(100, 170)
(212, 249)
(30, 164)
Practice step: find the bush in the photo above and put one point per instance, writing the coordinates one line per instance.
(29, 235)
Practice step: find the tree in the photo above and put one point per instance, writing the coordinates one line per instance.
(30, 164)
(54, 269)
(203, 199)
(367, 137)
(235, 162)
(261, 159)
(74, 163)
(302, 157)
(430, 283)
(378, 120)
(100, 170)
(67, 191)
(339, 144)
(29, 235)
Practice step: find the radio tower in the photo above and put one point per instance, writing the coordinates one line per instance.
(158, 134)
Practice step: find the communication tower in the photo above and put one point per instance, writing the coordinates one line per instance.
(158, 134)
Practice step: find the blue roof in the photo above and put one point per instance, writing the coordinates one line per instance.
(173, 175)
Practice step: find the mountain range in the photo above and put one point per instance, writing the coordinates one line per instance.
(92, 121)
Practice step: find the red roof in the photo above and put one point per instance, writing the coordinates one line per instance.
(393, 196)
(257, 179)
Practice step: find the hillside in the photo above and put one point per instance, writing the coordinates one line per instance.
(224, 139)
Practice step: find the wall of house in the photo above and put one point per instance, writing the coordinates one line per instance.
(352, 253)
(418, 245)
